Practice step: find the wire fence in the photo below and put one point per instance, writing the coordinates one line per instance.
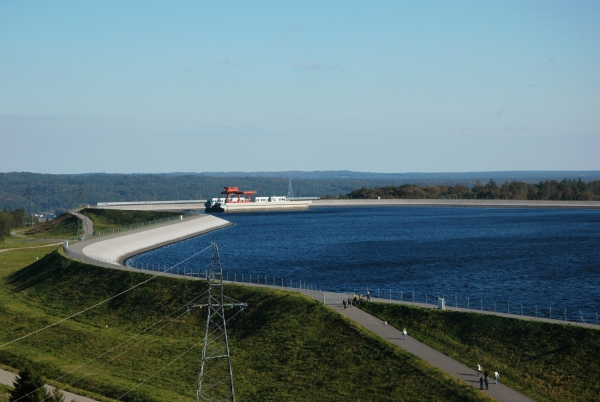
(102, 262)
(461, 302)
(432, 300)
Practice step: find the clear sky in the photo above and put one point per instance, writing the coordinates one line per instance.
(377, 86)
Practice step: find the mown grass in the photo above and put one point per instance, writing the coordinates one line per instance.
(548, 362)
(284, 346)
(113, 218)
(4, 393)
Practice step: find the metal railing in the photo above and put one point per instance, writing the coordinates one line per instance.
(501, 307)
(505, 308)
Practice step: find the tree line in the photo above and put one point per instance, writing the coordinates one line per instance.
(10, 220)
(58, 193)
(565, 190)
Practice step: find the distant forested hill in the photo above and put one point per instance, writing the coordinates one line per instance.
(52, 193)
(552, 190)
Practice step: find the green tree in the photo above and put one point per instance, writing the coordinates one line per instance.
(30, 387)
(5, 224)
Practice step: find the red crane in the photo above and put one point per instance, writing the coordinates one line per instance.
(233, 191)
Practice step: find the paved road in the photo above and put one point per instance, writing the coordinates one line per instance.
(88, 225)
(430, 355)
(8, 378)
(411, 345)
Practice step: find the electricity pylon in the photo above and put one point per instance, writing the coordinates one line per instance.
(215, 382)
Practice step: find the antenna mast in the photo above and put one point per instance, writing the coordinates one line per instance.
(29, 217)
(215, 382)
(290, 194)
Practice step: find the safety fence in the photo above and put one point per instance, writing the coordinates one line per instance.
(102, 262)
(462, 303)
(432, 300)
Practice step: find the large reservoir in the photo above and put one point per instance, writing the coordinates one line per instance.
(546, 261)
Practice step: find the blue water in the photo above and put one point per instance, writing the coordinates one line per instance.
(474, 256)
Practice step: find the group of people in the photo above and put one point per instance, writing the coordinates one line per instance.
(353, 301)
(483, 379)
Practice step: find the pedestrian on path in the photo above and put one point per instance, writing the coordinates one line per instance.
(486, 382)
(404, 333)
(481, 383)
(344, 303)
(496, 375)
(368, 296)
(478, 370)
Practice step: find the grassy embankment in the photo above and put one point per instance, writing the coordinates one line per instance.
(284, 346)
(4, 393)
(548, 362)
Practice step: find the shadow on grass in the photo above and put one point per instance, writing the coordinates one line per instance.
(40, 271)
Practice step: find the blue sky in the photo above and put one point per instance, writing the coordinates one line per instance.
(421, 86)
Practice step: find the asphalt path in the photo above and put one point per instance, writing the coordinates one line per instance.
(88, 225)
(430, 355)
(8, 378)
(394, 336)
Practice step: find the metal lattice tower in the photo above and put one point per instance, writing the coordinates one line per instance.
(29, 216)
(215, 382)
(290, 194)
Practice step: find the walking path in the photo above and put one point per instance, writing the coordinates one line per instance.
(437, 359)
(430, 355)
(8, 378)
(88, 225)
(25, 248)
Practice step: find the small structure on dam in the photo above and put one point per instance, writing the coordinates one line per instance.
(236, 200)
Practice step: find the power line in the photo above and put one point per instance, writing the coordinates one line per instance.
(186, 305)
(104, 301)
(161, 369)
(171, 362)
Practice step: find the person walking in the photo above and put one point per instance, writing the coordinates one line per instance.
(486, 382)
(344, 303)
(481, 383)
(496, 376)
(404, 333)
(478, 370)
(368, 296)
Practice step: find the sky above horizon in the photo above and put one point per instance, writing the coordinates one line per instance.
(386, 86)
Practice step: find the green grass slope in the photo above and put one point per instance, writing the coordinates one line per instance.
(285, 347)
(548, 362)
